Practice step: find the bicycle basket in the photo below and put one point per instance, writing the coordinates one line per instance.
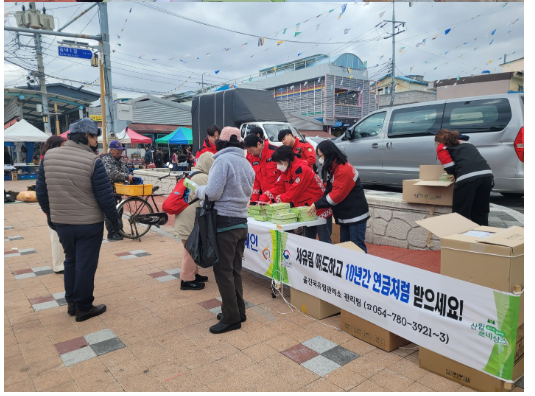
(126, 189)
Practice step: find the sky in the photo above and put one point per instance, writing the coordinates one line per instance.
(156, 52)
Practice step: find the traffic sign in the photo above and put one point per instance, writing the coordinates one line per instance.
(75, 52)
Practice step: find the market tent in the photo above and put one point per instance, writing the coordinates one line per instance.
(23, 131)
(121, 137)
(181, 136)
(165, 139)
(136, 138)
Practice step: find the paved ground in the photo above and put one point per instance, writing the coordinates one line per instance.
(155, 337)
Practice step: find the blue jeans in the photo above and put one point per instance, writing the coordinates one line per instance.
(81, 244)
(355, 233)
(323, 231)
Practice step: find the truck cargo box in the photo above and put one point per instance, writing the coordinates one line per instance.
(231, 107)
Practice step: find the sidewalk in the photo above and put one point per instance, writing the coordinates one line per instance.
(154, 337)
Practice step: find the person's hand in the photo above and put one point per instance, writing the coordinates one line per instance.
(130, 177)
(191, 185)
(312, 210)
(50, 224)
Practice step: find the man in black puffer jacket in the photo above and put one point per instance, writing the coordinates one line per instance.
(74, 191)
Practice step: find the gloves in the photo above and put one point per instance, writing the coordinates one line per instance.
(117, 225)
(446, 177)
(191, 185)
(50, 224)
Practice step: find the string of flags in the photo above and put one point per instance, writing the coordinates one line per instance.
(122, 29)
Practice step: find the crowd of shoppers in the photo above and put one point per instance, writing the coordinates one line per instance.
(75, 190)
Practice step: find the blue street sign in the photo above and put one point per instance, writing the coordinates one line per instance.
(75, 53)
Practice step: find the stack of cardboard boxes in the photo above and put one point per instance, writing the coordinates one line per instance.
(428, 189)
(487, 256)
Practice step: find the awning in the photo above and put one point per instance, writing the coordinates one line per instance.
(136, 138)
(181, 136)
(23, 131)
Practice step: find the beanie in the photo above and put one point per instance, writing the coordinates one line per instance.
(228, 132)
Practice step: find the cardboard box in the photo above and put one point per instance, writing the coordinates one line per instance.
(487, 256)
(372, 334)
(14, 176)
(314, 306)
(427, 189)
(335, 235)
(470, 377)
(311, 305)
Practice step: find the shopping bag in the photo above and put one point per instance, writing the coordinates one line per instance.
(202, 242)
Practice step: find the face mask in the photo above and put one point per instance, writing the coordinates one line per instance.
(282, 168)
(321, 161)
(94, 148)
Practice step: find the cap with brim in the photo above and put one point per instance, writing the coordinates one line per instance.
(116, 145)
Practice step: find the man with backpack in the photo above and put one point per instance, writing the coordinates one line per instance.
(158, 158)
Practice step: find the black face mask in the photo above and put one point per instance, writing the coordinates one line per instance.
(94, 148)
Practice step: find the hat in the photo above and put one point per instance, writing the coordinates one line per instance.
(85, 125)
(228, 132)
(116, 145)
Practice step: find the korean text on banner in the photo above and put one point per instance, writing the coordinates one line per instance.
(471, 324)
(259, 250)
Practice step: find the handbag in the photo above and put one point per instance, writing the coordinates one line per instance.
(202, 242)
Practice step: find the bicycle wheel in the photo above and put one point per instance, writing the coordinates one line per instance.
(129, 209)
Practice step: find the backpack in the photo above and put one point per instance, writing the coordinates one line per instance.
(159, 157)
(176, 202)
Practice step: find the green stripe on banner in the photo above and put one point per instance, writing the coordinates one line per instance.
(502, 357)
(276, 270)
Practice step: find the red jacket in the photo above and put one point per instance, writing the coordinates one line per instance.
(266, 172)
(344, 194)
(298, 185)
(206, 147)
(306, 151)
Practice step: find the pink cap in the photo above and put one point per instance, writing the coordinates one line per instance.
(227, 132)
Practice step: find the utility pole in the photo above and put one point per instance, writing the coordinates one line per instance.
(202, 82)
(42, 83)
(393, 88)
(393, 82)
(107, 112)
(103, 108)
(58, 132)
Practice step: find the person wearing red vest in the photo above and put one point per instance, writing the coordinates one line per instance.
(258, 132)
(344, 194)
(213, 132)
(300, 186)
(303, 149)
(266, 172)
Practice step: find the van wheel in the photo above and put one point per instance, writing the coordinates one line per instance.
(513, 195)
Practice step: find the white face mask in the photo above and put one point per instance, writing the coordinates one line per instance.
(321, 161)
(282, 168)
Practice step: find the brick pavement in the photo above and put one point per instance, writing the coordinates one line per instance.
(154, 337)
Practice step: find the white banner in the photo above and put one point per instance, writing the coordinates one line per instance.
(468, 323)
(259, 252)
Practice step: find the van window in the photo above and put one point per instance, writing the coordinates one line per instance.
(416, 121)
(487, 115)
(272, 131)
(370, 126)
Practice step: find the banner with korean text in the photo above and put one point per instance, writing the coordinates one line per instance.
(260, 250)
(468, 323)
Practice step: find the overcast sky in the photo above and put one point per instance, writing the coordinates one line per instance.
(158, 51)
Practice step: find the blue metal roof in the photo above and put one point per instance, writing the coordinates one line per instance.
(404, 79)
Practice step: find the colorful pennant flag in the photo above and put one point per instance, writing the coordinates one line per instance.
(217, 71)
(381, 14)
(297, 27)
(492, 33)
(346, 30)
(260, 41)
(297, 34)
(300, 54)
(447, 31)
(280, 42)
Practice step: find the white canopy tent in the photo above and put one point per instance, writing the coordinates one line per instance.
(121, 136)
(23, 131)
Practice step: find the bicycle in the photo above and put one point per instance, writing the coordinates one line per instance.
(140, 215)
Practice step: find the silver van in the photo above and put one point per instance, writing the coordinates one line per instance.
(389, 145)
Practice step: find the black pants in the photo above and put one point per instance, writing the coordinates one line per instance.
(227, 272)
(81, 244)
(109, 226)
(471, 199)
(323, 231)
